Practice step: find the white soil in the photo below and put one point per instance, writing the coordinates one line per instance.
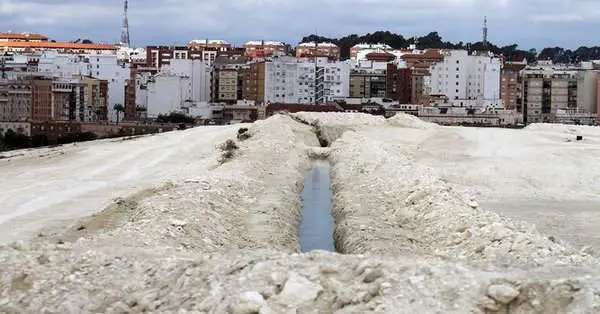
(190, 234)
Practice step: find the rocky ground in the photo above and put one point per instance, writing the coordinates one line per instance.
(223, 240)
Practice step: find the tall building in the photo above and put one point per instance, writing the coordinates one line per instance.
(398, 83)
(511, 84)
(227, 78)
(467, 80)
(546, 90)
(15, 100)
(332, 80)
(177, 87)
(41, 99)
(329, 50)
(254, 82)
(289, 80)
(419, 63)
(367, 84)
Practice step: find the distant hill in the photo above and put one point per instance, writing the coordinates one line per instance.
(434, 40)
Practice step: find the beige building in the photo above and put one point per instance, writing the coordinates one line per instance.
(546, 90)
(367, 84)
(15, 100)
(228, 85)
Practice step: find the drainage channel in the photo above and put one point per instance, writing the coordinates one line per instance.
(316, 227)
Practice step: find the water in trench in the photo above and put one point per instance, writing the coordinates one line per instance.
(316, 228)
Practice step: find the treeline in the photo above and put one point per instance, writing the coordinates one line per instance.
(434, 40)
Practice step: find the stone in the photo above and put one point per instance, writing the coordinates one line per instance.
(247, 303)
(298, 290)
(503, 293)
(490, 304)
(372, 274)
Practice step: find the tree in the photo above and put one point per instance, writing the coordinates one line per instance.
(118, 108)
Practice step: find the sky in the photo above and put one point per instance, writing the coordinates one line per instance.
(529, 23)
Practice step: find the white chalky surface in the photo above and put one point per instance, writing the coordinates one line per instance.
(191, 234)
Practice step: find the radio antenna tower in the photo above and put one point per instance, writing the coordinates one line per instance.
(125, 28)
(485, 32)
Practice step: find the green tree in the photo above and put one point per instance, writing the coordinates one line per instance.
(118, 108)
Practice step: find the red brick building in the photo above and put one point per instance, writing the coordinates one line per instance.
(398, 84)
(41, 99)
(261, 49)
(328, 50)
(510, 86)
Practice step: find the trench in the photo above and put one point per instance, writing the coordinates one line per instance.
(316, 225)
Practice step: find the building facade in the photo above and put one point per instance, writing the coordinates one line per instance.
(546, 90)
(467, 80)
(398, 84)
(262, 49)
(511, 84)
(328, 50)
(367, 84)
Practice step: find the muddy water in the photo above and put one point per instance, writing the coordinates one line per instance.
(316, 227)
(576, 222)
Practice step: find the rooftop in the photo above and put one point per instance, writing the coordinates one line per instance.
(56, 45)
(208, 42)
(266, 43)
(372, 46)
(22, 36)
(313, 44)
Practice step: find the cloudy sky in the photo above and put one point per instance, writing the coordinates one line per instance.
(530, 23)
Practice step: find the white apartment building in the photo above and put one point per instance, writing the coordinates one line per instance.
(100, 66)
(181, 85)
(332, 80)
(289, 80)
(466, 80)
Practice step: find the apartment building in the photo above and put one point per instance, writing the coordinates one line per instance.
(254, 82)
(419, 62)
(289, 80)
(367, 83)
(546, 90)
(311, 49)
(160, 56)
(466, 80)
(103, 67)
(332, 80)
(176, 88)
(227, 78)
(281, 79)
(398, 83)
(41, 99)
(15, 100)
(262, 49)
(511, 85)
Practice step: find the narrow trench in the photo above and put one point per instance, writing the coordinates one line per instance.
(316, 230)
(316, 227)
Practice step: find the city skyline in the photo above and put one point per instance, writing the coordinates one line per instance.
(530, 23)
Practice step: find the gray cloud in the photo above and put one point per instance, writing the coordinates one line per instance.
(531, 23)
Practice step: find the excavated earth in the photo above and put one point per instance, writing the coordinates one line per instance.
(412, 237)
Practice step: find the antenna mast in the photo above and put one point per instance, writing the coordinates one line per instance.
(125, 27)
(485, 32)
